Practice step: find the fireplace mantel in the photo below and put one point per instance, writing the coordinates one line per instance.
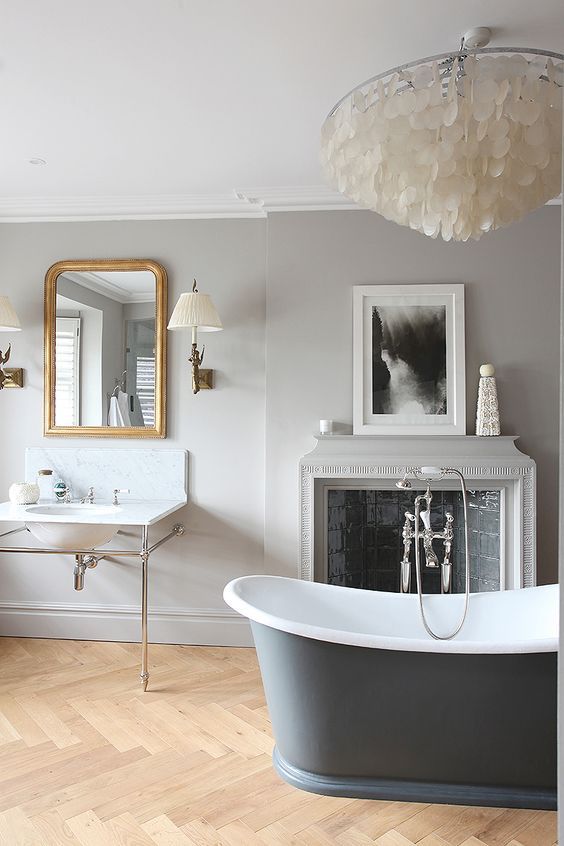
(481, 460)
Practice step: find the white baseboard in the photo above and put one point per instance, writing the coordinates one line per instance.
(194, 626)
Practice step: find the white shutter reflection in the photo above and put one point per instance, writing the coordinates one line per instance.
(67, 369)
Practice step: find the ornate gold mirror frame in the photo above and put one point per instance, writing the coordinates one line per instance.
(102, 266)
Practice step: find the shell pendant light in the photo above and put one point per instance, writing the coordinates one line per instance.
(457, 144)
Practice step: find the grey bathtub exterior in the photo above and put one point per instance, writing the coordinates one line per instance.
(472, 729)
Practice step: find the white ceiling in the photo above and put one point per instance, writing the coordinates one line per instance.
(198, 99)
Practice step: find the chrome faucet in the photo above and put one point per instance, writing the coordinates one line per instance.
(89, 496)
(428, 536)
(426, 474)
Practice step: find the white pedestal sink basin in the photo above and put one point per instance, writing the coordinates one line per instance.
(73, 525)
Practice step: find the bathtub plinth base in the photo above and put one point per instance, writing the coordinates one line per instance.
(414, 791)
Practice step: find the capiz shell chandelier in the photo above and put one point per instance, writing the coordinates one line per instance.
(456, 144)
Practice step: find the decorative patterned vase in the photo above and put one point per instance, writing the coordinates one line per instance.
(60, 490)
(487, 414)
(23, 493)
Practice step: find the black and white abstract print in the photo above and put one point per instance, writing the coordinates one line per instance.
(409, 359)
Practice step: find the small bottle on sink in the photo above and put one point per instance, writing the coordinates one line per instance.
(45, 484)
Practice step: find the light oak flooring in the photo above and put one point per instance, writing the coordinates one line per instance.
(87, 758)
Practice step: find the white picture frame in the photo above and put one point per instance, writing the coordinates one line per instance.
(403, 400)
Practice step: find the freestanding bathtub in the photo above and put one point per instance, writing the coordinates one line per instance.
(365, 704)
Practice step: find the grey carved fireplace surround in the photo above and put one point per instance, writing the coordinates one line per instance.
(351, 513)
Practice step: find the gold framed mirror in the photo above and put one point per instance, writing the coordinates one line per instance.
(105, 349)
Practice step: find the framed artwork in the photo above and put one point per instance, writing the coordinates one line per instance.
(408, 360)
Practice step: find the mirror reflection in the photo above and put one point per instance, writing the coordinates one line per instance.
(105, 348)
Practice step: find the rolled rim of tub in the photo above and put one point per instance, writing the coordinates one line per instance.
(511, 621)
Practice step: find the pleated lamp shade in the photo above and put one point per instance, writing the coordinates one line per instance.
(195, 310)
(9, 320)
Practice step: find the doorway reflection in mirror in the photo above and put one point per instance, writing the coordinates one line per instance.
(105, 340)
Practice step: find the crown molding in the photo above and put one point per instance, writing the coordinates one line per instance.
(240, 203)
(250, 203)
(308, 198)
(140, 207)
(296, 198)
(96, 283)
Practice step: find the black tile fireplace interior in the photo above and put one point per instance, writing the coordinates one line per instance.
(364, 543)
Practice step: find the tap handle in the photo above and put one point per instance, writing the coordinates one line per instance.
(89, 496)
(119, 491)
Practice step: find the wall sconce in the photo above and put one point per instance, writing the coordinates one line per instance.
(196, 311)
(10, 377)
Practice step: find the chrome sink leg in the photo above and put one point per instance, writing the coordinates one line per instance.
(144, 590)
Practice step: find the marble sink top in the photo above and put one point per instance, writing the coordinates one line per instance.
(127, 513)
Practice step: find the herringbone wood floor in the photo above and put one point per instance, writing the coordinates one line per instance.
(86, 758)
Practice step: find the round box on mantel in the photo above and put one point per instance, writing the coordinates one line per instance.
(24, 493)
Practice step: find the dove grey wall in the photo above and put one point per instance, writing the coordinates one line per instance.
(283, 289)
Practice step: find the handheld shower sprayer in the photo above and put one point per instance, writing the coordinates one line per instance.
(428, 474)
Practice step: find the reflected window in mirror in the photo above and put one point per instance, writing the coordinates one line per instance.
(105, 348)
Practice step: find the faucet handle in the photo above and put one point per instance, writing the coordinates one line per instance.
(119, 491)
